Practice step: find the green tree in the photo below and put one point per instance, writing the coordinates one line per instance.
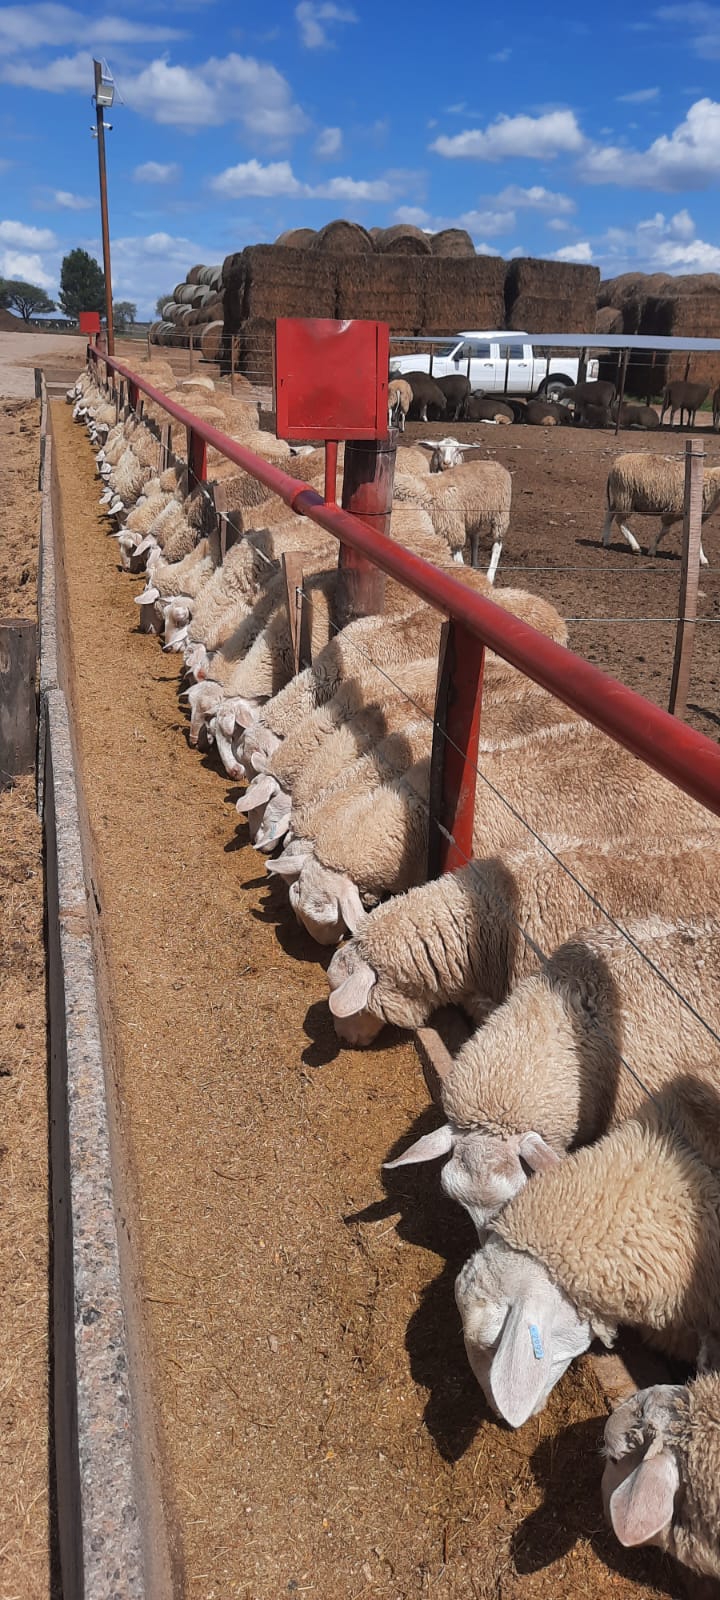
(82, 284)
(27, 298)
(124, 312)
(162, 300)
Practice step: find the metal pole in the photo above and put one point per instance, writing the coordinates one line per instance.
(367, 490)
(99, 118)
(621, 393)
(689, 576)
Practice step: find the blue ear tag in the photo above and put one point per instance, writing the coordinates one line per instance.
(536, 1341)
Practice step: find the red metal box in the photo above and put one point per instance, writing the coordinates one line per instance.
(89, 321)
(331, 378)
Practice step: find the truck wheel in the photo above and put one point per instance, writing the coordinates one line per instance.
(552, 387)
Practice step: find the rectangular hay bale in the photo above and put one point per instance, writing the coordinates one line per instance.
(280, 282)
(550, 296)
(382, 288)
(460, 293)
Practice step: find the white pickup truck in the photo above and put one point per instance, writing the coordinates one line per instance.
(497, 363)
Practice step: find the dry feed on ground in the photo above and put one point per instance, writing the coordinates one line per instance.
(321, 1431)
(25, 1567)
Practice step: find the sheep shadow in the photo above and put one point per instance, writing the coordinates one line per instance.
(567, 1467)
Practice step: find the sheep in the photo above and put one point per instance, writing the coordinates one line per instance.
(683, 397)
(400, 397)
(484, 408)
(623, 1231)
(445, 453)
(593, 392)
(426, 393)
(573, 790)
(653, 486)
(463, 503)
(716, 408)
(660, 1484)
(168, 579)
(545, 414)
(635, 416)
(456, 390)
(592, 416)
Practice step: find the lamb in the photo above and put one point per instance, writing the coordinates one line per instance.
(400, 398)
(484, 408)
(445, 453)
(463, 503)
(623, 1231)
(426, 395)
(544, 414)
(576, 789)
(653, 486)
(683, 397)
(635, 416)
(660, 1484)
(456, 390)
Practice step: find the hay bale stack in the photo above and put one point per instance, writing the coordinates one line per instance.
(461, 294)
(401, 240)
(211, 341)
(255, 354)
(452, 242)
(297, 238)
(687, 307)
(341, 238)
(389, 288)
(550, 296)
(194, 275)
(281, 282)
(629, 292)
(609, 319)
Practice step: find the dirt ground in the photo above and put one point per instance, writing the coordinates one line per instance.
(321, 1432)
(25, 1561)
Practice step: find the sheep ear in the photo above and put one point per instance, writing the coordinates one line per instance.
(521, 1365)
(351, 906)
(537, 1153)
(245, 712)
(259, 792)
(642, 1506)
(432, 1145)
(287, 867)
(352, 995)
(148, 596)
(258, 759)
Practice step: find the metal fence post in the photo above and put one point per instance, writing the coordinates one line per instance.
(368, 477)
(456, 737)
(689, 576)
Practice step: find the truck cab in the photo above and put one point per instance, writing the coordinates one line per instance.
(496, 363)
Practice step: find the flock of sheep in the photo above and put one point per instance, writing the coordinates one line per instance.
(582, 1116)
(589, 404)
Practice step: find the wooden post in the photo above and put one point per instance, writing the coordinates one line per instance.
(689, 576)
(233, 361)
(456, 735)
(190, 352)
(367, 490)
(298, 609)
(196, 457)
(149, 351)
(687, 366)
(621, 391)
(18, 705)
(228, 528)
(165, 445)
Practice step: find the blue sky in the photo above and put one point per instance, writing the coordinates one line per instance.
(585, 134)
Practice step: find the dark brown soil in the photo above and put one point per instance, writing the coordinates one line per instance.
(320, 1430)
(24, 1456)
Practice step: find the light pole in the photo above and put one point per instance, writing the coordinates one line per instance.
(104, 94)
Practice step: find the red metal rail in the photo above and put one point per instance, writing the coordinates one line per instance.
(687, 758)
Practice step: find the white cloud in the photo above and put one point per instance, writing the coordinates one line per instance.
(55, 77)
(414, 215)
(34, 27)
(688, 158)
(540, 138)
(580, 252)
(328, 143)
(29, 268)
(222, 89)
(638, 97)
(277, 178)
(71, 202)
(252, 178)
(501, 55)
(659, 244)
(535, 199)
(145, 266)
(701, 22)
(559, 224)
(486, 221)
(156, 172)
(24, 237)
(312, 19)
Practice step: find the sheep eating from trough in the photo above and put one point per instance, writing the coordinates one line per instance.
(653, 486)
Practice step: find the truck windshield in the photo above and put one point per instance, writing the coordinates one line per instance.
(448, 348)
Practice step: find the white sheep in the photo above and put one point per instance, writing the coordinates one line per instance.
(447, 453)
(400, 398)
(653, 486)
(623, 1231)
(464, 503)
(660, 1484)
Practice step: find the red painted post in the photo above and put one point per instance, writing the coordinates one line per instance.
(367, 490)
(196, 457)
(133, 395)
(331, 461)
(456, 738)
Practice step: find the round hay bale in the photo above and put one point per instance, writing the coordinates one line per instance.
(153, 331)
(164, 310)
(609, 320)
(182, 317)
(297, 238)
(342, 238)
(211, 341)
(171, 311)
(195, 275)
(185, 293)
(375, 234)
(402, 240)
(215, 281)
(452, 242)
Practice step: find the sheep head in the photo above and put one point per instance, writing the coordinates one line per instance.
(485, 1169)
(326, 903)
(642, 1473)
(521, 1331)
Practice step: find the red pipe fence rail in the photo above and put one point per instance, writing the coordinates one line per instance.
(688, 759)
